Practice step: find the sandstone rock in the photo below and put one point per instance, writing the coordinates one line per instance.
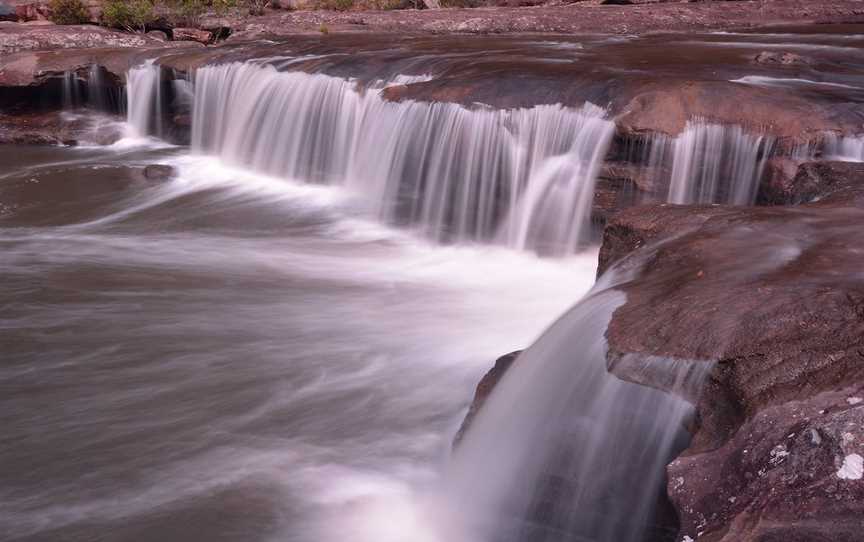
(192, 34)
(16, 37)
(774, 298)
(816, 181)
(611, 195)
(776, 185)
(666, 106)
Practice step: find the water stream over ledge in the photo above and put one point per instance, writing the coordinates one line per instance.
(279, 342)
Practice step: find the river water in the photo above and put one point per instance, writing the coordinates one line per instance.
(226, 356)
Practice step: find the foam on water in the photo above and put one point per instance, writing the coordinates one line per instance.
(317, 373)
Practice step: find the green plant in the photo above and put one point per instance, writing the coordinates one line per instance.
(335, 5)
(131, 15)
(256, 7)
(68, 12)
(323, 29)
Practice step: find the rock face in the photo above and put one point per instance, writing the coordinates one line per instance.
(20, 37)
(54, 128)
(774, 298)
(667, 106)
(810, 181)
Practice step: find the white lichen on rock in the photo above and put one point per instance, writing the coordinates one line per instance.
(852, 469)
(778, 455)
(854, 400)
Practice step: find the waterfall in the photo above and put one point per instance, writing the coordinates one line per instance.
(562, 450)
(71, 91)
(714, 163)
(523, 177)
(846, 149)
(144, 100)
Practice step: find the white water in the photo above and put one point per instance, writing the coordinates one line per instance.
(563, 450)
(245, 348)
(758, 80)
(714, 163)
(144, 100)
(521, 177)
(847, 149)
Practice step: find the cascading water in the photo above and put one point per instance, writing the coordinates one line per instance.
(524, 177)
(71, 90)
(714, 163)
(144, 100)
(562, 450)
(847, 149)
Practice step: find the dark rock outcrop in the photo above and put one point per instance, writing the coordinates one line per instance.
(812, 181)
(54, 128)
(484, 389)
(160, 172)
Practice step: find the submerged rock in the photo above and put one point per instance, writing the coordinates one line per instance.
(160, 172)
(783, 58)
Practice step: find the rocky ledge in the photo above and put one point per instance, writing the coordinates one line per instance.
(771, 299)
(774, 298)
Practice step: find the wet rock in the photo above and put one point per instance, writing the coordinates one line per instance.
(777, 181)
(772, 299)
(484, 389)
(666, 106)
(611, 195)
(790, 182)
(192, 34)
(160, 172)
(789, 473)
(637, 227)
(39, 129)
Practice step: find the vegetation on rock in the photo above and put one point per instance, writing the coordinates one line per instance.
(131, 15)
(69, 12)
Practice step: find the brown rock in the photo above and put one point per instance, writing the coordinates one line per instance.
(484, 389)
(666, 106)
(192, 34)
(16, 37)
(774, 298)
